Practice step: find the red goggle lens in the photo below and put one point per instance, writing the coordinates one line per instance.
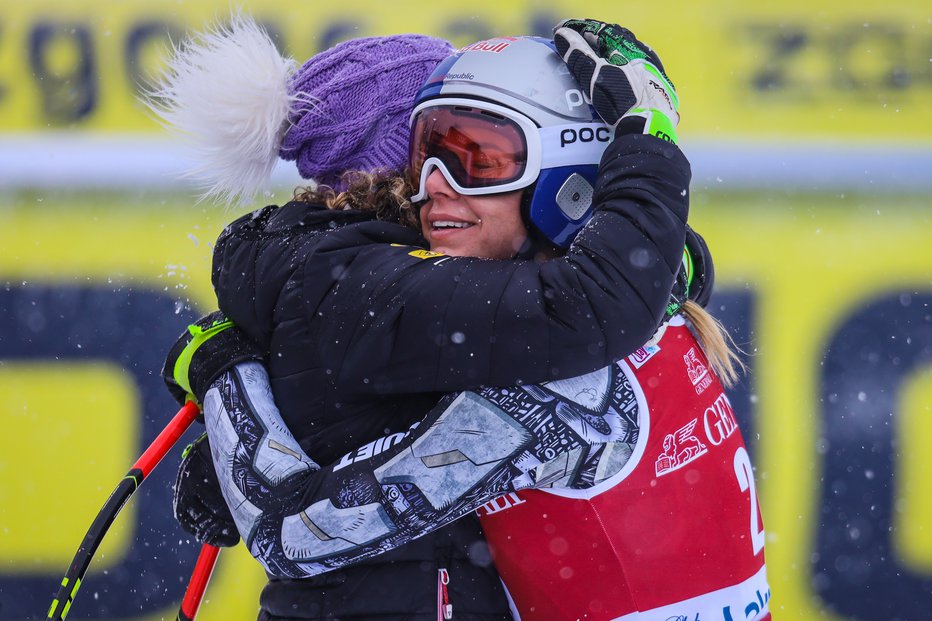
(479, 148)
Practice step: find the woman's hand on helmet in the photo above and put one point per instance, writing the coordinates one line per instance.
(624, 78)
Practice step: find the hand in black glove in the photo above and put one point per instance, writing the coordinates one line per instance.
(206, 349)
(696, 276)
(197, 502)
(703, 273)
(625, 78)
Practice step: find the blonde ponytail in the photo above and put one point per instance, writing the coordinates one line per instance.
(717, 344)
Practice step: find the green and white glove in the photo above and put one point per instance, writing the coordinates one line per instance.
(625, 78)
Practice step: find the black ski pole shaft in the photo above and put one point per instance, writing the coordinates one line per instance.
(130, 483)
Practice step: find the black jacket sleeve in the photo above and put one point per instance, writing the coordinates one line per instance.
(385, 319)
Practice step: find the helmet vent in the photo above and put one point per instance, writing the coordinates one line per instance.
(575, 197)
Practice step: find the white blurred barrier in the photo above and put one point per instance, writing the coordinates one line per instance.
(82, 161)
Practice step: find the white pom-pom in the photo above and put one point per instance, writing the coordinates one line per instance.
(226, 92)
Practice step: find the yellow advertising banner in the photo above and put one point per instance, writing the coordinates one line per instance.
(829, 293)
(825, 70)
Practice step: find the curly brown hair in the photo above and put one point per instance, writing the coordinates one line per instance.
(385, 193)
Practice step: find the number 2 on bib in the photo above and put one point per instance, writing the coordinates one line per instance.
(746, 481)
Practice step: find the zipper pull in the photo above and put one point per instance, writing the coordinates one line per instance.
(446, 608)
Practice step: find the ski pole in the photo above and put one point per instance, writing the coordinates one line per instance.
(130, 483)
(206, 561)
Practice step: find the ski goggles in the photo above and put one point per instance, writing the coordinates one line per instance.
(479, 147)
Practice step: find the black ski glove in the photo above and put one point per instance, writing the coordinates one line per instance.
(623, 77)
(197, 502)
(205, 350)
(703, 278)
(696, 276)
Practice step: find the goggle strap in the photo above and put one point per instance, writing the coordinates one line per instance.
(573, 145)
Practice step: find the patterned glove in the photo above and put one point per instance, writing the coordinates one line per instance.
(626, 80)
(206, 349)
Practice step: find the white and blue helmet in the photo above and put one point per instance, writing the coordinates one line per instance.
(506, 114)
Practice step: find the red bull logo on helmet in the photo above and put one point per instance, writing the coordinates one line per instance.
(492, 45)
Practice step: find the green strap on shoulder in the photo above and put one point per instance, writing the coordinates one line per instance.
(199, 336)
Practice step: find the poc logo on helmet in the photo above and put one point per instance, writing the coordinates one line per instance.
(576, 98)
(585, 134)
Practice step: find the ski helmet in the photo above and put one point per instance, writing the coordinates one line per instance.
(506, 114)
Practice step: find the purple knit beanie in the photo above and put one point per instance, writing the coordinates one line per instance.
(359, 97)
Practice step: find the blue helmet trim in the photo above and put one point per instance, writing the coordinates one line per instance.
(434, 85)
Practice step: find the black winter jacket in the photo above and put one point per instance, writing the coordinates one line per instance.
(365, 329)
